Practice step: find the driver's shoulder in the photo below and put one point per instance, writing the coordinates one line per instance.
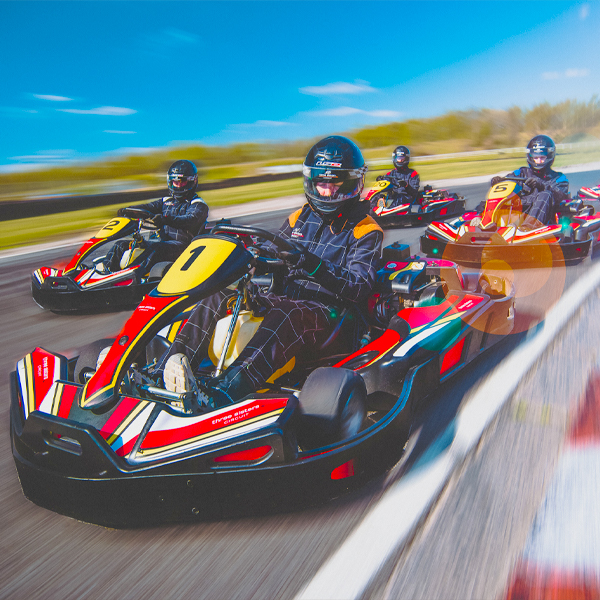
(365, 226)
(293, 218)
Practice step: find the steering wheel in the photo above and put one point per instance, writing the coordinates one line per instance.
(230, 229)
(142, 215)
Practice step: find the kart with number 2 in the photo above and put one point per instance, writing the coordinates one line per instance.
(91, 280)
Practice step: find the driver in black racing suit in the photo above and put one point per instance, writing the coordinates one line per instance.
(547, 187)
(337, 256)
(180, 217)
(405, 181)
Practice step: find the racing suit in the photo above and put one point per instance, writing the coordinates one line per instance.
(300, 320)
(406, 182)
(541, 206)
(182, 220)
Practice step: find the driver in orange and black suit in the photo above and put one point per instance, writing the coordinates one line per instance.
(338, 247)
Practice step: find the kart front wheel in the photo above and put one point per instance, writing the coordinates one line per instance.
(332, 406)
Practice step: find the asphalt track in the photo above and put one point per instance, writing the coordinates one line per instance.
(44, 555)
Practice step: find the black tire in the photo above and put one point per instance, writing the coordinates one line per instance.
(332, 407)
(88, 357)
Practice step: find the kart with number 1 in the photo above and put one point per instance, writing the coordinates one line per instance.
(95, 437)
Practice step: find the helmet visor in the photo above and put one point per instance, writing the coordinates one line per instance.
(178, 180)
(333, 185)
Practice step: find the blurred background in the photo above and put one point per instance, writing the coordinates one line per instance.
(100, 97)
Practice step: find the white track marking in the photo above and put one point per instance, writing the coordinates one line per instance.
(391, 522)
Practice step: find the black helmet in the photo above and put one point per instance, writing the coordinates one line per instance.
(182, 179)
(540, 152)
(334, 174)
(401, 157)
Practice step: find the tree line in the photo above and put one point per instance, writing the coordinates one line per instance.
(454, 131)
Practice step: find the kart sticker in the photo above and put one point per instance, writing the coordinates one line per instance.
(198, 262)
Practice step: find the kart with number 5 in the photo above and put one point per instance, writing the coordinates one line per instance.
(495, 234)
(96, 438)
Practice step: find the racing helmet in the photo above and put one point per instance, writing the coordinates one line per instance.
(540, 152)
(182, 179)
(334, 175)
(401, 157)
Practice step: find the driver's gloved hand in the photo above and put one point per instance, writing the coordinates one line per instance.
(121, 212)
(379, 177)
(301, 258)
(402, 184)
(533, 183)
(158, 220)
(496, 180)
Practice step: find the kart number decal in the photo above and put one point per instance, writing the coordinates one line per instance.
(501, 190)
(112, 227)
(197, 263)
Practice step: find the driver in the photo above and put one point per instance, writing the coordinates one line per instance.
(405, 181)
(547, 187)
(338, 247)
(180, 217)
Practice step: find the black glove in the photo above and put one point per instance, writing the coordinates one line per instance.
(533, 183)
(380, 177)
(299, 258)
(121, 212)
(402, 184)
(157, 220)
(496, 180)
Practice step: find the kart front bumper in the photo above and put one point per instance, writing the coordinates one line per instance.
(67, 467)
(61, 294)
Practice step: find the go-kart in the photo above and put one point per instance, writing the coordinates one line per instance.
(430, 204)
(588, 193)
(96, 438)
(495, 233)
(92, 280)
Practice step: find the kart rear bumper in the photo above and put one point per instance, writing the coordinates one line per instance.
(516, 256)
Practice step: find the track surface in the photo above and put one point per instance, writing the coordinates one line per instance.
(44, 555)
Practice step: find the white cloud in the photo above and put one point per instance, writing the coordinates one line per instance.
(46, 156)
(52, 98)
(340, 87)
(584, 11)
(179, 37)
(262, 123)
(113, 111)
(117, 131)
(569, 73)
(345, 111)
(577, 72)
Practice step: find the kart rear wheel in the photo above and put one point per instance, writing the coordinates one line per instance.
(332, 406)
(86, 362)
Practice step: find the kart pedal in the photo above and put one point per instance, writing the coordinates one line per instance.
(178, 376)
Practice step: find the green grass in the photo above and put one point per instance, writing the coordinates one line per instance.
(59, 226)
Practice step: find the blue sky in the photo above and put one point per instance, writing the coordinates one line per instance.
(84, 80)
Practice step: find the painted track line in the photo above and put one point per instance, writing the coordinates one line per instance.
(393, 521)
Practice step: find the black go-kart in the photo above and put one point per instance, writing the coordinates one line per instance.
(96, 438)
